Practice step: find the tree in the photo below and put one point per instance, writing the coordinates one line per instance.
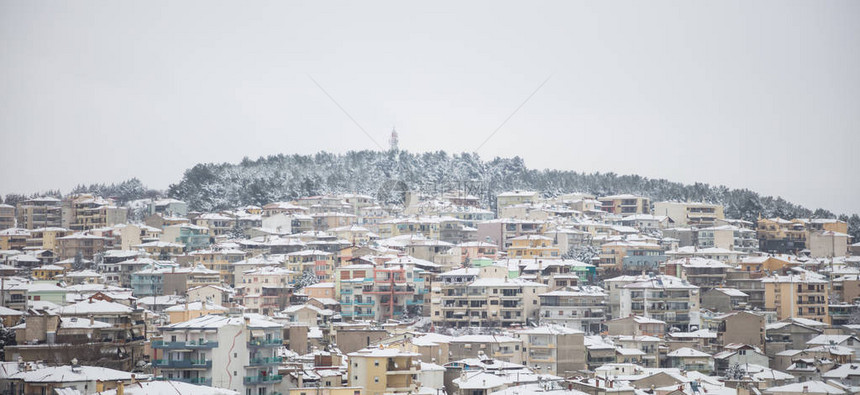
(308, 278)
(735, 372)
(7, 338)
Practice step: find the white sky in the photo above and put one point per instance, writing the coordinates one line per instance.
(761, 95)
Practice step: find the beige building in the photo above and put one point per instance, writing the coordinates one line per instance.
(625, 204)
(513, 198)
(554, 350)
(497, 302)
(46, 238)
(690, 213)
(40, 213)
(86, 212)
(7, 216)
(802, 295)
(87, 245)
(382, 371)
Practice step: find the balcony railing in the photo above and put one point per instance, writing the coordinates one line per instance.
(182, 363)
(161, 344)
(269, 379)
(256, 342)
(265, 361)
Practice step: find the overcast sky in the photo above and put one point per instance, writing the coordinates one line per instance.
(760, 95)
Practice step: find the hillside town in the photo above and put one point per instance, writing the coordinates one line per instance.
(437, 294)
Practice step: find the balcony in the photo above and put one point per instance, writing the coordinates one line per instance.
(190, 380)
(182, 363)
(265, 361)
(193, 344)
(268, 379)
(257, 342)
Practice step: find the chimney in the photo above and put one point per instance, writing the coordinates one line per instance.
(805, 389)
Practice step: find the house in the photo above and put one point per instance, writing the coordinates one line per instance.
(636, 326)
(724, 299)
(805, 388)
(741, 354)
(690, 359)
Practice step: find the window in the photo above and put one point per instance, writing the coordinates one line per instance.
(375, 379)
(376, 363)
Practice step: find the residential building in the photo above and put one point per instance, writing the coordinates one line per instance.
(554, 350)
(804, 295)
(625, 204)
(381, 371)
(43, 212)
(80, 244)
(7, 216)
(728, 237)
(777, 235)
(532, 246)
(499, 302)
(582, 308)
(221, 351)
(664, 298)
(14, 239)
(691, 213)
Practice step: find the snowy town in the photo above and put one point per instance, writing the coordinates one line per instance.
(439, 294)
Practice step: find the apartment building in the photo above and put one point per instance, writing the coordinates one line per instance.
(581, 308)
(7, 216)
(827, 243)
(804, 295)
(554, 350)
(193, 237)
(513, 198)
(690, 213)
(319, 263)
(381, 292)
(782, 236)
(167, 207)
(43, 212)
(501, 231)
(221, 261)
(221, 351)
(217, 223)
(728, 237)
(631, 256)
(381, 371)
(661, 297)
(625, 204)
(493, 302)
(532, 246)
(266, 289)
(46, 238)
(86, 212)
(14, 239)
(79, 243)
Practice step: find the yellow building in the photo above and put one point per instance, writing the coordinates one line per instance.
(532, 246)
(48, 272)
(513, 198)
(14, 239)
(625, 204)
(382, 370)
(46, 238)
(220, 261)
(802, 295)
